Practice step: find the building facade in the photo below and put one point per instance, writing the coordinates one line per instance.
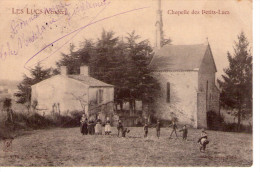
(65, 93)
(186, 74)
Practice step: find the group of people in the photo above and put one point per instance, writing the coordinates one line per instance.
(92, 127)
(158, 126)
(95, 127)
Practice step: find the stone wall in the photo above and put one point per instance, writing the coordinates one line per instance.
(192, 93)
(183, 96)
(202, 111)
(208, 93)
(214, 101)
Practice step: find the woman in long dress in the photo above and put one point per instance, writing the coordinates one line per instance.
(107, 127)
(83, 124)
(85, 127)
(98, 127)
(91, 128)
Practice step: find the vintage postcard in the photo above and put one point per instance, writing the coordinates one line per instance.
(126, 83)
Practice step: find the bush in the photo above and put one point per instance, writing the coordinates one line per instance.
(232, 127)
(215, 121)
(68, 121)
(76, 115)
(9, 129)
(24, 122)
(37, 121)
(6, 130)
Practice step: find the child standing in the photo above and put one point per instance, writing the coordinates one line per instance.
(146, 126)
(158, 128)
(184, 131)
(174, 128)
(98, 128)
(120, 128)
(203, 140)
(107, 127)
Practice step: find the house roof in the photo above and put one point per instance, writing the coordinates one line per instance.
(92, 82)
(178, 57)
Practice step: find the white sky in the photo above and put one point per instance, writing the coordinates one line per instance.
(221, 30)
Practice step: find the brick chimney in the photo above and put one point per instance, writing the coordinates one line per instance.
(63, 70)
(84, 70)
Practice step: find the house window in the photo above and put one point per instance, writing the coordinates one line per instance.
(100, 96)
(168, 93)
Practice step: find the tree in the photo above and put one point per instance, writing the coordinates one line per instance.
(7, 106)
(75, 59)
(139, 81)
(236, 86)
(119, 62)
(108, 59)
(37, 74)
(82, 99)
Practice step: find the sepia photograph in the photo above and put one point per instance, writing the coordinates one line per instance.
(126, 83)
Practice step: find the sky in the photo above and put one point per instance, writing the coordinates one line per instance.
(27, 39)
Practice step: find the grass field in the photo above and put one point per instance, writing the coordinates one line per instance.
(67, 147)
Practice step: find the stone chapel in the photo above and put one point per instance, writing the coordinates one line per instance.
(186, 74)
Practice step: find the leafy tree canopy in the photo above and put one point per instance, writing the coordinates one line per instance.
(122, 62)
(236, 83)
(37, 74)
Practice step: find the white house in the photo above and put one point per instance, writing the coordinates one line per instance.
(66, 93)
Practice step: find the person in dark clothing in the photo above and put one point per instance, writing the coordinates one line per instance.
(146, 126)
(125, 130)
(174, 128)
(184, 131)
(120, 128)
(158, 128)
(84, 125)
(203, 140)
(91, 127)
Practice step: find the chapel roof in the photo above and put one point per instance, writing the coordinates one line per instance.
(178, 57)
(92, 82)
